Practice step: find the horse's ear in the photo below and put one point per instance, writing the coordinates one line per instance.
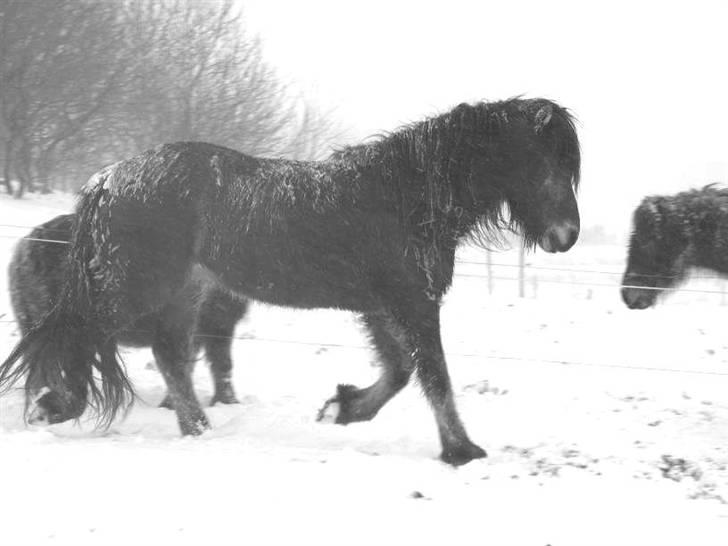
(461, 110)
(462, 115)
(543, 117)
(649, 215)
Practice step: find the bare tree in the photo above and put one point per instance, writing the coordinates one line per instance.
(87, 82)
(314, 134)
(58, 72)
(204, 78)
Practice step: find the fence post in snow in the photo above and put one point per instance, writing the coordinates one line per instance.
(521, 271)
(489, 266)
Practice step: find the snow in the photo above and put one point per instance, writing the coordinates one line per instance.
(602, 425)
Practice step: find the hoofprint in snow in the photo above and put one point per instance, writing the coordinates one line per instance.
(603, 426)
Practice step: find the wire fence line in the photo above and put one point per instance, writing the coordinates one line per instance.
(520, 278)
(576, 268)
(489, 356)
(455, 354)
(540, 279)
(596, 284)
(58, 241)
(18, 226)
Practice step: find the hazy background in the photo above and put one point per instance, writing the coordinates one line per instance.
(648, 81)
(87, 82)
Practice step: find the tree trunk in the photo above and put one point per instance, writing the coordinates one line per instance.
(21, 188)
(6, 167)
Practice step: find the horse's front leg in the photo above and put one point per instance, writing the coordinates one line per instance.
(422, 326)
(353, 404)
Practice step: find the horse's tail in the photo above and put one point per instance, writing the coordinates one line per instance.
(64, 351)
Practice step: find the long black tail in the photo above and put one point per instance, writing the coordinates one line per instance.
(68, 348)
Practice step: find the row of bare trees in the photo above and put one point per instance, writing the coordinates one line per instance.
(86, 82)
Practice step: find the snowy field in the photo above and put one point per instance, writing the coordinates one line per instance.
(603, 426)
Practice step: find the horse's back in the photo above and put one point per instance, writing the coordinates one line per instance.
(290, 233)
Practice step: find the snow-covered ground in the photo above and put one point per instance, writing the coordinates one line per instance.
(603, 426)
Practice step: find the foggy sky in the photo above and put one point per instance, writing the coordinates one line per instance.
(648, 82)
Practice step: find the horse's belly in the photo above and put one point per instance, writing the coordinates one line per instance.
(139, 334)
(299, 283)
(309, 293)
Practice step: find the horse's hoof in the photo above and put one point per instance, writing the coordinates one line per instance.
(330, 412)
(462, 454)
(224, 399)
(196, 427)
(338, 408)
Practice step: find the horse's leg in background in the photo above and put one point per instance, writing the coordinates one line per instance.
(354, 404)
(174, 351)
(421, 324)
(219, 314)
(166, 402)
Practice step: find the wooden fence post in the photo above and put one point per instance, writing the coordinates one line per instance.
(489, 266)
(521, 271)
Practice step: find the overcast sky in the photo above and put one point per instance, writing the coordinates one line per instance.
(647, 81)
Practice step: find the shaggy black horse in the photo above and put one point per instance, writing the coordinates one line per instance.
(373, 229)
(672, 235)
(36, 274)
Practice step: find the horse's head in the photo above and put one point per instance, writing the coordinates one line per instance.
(533, 160)
(47, 406)
(65, 373)
(657, 253)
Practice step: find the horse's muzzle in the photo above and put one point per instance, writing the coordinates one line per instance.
(49, 409)
(559, 237)
(637, 298)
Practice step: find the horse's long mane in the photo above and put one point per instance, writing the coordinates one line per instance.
(429, 162)
(687, 211)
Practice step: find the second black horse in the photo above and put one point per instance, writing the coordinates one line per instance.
(36, 274)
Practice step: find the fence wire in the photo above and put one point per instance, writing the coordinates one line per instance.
(578, 268)
(488, 356)
(455, 354)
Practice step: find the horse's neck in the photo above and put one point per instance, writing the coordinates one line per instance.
(707, 240)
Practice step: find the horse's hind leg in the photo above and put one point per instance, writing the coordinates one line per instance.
(354, 404)
(219, 314)
(175, 353)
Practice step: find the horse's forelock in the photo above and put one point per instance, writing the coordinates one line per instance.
(647, 219)
(565, 142)
(650, 207)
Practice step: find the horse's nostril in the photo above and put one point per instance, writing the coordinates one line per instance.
(38, 416)
(573, 237)
(554, 240)
(562, 237)
(627, 297)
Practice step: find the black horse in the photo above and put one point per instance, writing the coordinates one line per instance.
(373, 229)
(672, 235)
(36, 274)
